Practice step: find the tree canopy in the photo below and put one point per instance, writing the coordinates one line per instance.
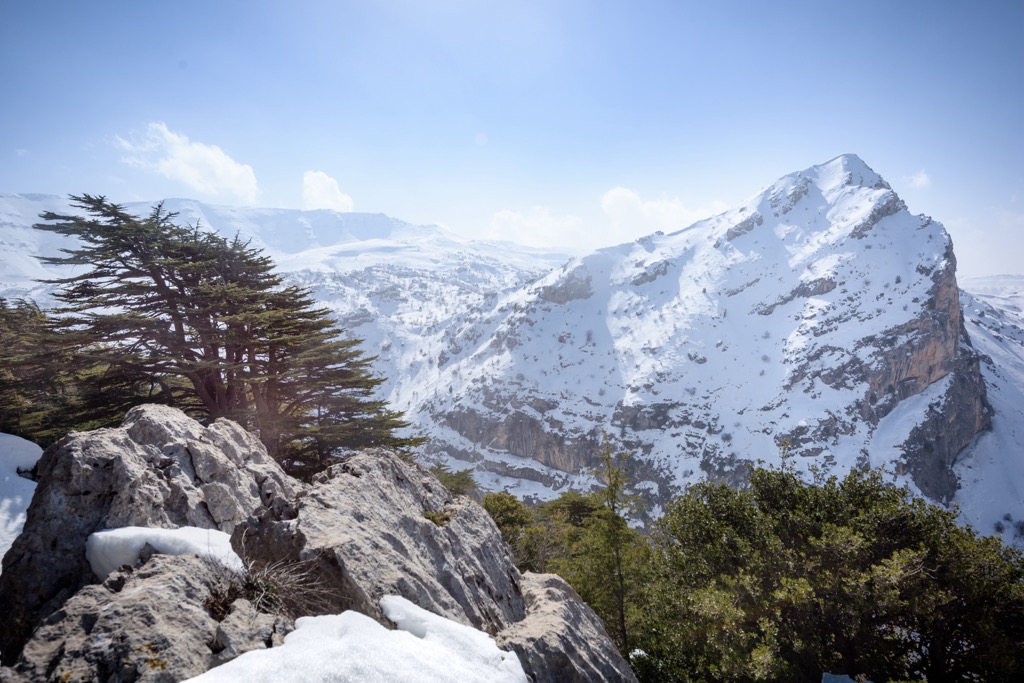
(783, 580)
(586, 539)
(208, 324)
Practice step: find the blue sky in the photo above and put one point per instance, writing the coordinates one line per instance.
(553, 122)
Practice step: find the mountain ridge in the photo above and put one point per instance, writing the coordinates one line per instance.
(818, 320)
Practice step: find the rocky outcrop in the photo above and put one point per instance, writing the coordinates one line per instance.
(375, 525)
(370, 526)
(159, 469)
(573, 283)
(155, 623)
(525, 431)
(561, 640)
(924, 350)
(948, 427)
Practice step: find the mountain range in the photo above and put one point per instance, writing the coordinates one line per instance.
(819, 325)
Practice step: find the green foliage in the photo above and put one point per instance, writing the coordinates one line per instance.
(585, 538)
(606, 560)
(783, 580)
(458, 483)
(510, 515)
(160, 312)
(28, 380)
(438, 518)
(46, 390)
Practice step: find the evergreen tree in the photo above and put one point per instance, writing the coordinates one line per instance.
(510, 515)
(458, 482)
(587, 540)
(209, 326)
(784, 580)
(606, 560)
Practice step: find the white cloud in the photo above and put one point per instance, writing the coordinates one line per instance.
(321, 191)
(205, 169)
(627, 217)
(919, 180)
(538, 227)
(633, 216)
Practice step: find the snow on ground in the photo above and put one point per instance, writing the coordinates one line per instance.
(352, 647)
(15, 491)
(991, 495)
(109, 549)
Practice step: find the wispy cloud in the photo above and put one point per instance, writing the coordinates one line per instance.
(627, 216)
(633, 216)
(206, 169)
(537, 227)
(321, 191)
(919, 180)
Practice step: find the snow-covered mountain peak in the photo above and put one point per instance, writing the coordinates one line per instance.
(819, 321)
(798, 322)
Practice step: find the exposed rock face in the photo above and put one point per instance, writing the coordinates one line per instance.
(149, 624)
(950, 424)
(377, 526)
(160, 468)
(525, 431)
(561, 640)
(911, 356)
(364, 525)
(370, 526)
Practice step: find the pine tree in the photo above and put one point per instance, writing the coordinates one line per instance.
(209, 325)
(607, 559)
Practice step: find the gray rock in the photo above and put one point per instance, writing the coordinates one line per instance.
(156, 623)
(364, 526)
(9, 675)
(376, 525)
(371, 526)
(159, 469)
(561, 640)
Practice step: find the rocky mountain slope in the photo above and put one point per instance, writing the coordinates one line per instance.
(820, 322)
(371, 527)
(798, 324)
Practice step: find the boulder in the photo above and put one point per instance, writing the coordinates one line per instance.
(561, 640)
(159, 469)
(155, 623)
(370, 526)
(376, 525)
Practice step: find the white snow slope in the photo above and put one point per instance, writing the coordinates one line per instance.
(15, 491)
(991, 471)
(700, 349)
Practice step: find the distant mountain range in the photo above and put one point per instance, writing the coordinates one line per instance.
(819, 323)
